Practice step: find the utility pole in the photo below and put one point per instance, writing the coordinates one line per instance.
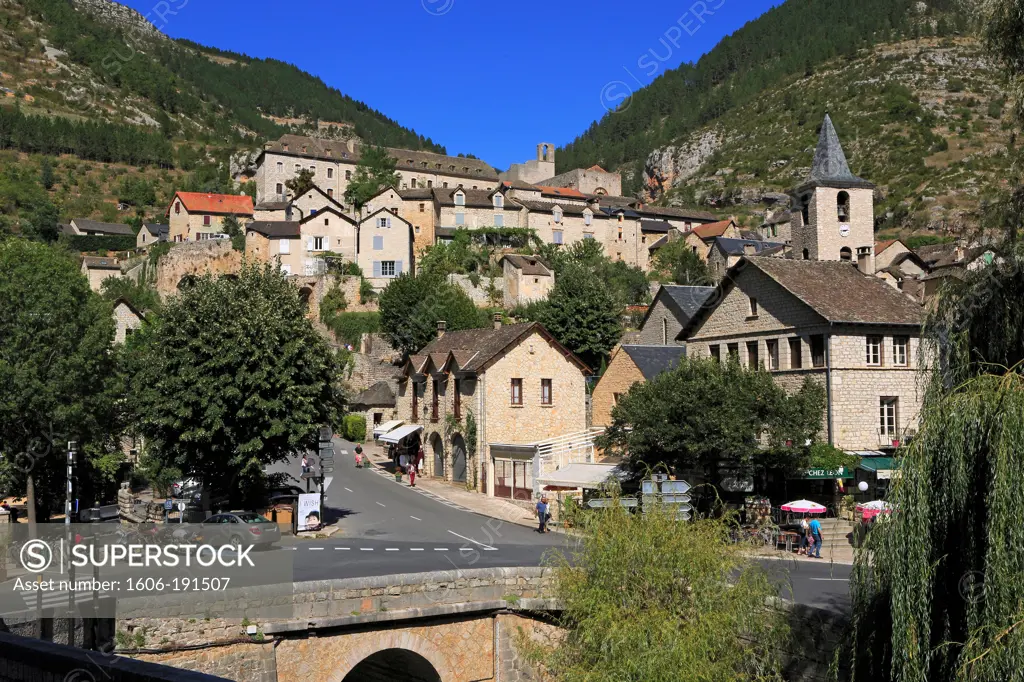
(69, 539)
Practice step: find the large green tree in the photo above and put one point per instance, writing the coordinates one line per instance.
(56, 369)
(411, 306)
(715, 417)
(232, 377)
(650, 599)
(582, 314)
(678, 263)
(301, 183)
(374, 172)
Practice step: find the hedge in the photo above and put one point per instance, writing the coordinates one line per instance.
(88, 243)
(355, 428)
(349, 327)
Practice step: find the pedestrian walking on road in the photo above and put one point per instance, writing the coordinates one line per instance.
(816, 538)
(805, 536)
(359, 456)
(305, 465)
(543, 515)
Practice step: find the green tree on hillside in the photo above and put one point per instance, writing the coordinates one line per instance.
(301, 183)
(46, 176)
(583, 315)
(375, 171)
(56, 369)
(230, 378)
(410, 308)
(677, 261)
(141, 295)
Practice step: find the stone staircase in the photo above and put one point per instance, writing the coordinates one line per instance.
(836, 532)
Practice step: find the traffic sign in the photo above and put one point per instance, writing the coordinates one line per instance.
(628, 502)
(675, 499)
(677, 487)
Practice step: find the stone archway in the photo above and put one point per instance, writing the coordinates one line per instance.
(305, 294)
(437, 448)
(395, 648)
(458, 458)
(393, 664)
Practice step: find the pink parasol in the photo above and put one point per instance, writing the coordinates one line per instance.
(804, 507)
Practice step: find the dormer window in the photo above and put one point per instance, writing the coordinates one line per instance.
(437, 166)
(465, 169)
(451, 168)
(424, 164)
(460, 199)
(285, 146)
(410, 162)
(499, 201)
(304, 149)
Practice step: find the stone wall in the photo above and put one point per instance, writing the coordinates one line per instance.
(662, 326)
(195, 259)
(588, 181)
(617, 379)
(481, 294)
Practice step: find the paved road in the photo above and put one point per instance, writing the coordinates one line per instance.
(389, 528)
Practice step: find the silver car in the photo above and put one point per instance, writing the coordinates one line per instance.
(240, 528)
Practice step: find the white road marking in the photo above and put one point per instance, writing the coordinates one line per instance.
(440, 549)
(381, 504)
(415, 517)
(341, 549)
(348, 489)
(470, 540)
(290, 549)
(316, 549)
(366, 549)
(390, 549)
(415, 549)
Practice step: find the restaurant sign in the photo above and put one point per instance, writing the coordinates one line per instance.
(841, 472)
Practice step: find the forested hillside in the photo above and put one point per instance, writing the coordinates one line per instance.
(92, 94)
(786, 42)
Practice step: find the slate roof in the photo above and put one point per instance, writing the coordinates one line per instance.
(933, 253)
(94, 226)
(738, 247)
(378, 395)
(779, 218)
(475, 198)
(486, 344)
(829, 167)
(682, 301)
(624, 210)
(674, 212)
(659, 226)
(613, 200)
(205, 202)
(160, 230)
(425, 193)
(836, 290)
(653, 360)
(275, 229)
(97, 263)
(658, 244)
(337, 150)
(548, 207)
(273, 206)
(530, 265)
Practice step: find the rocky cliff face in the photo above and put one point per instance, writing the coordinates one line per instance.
(125, 17)
(668, 166)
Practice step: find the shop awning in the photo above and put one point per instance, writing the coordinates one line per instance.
(380, 430)
(882, 467)
(401, 432)
(579, 475)
(822, 474)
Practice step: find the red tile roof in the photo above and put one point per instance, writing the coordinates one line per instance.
(712, 230)
(562, 191)
(201, 202)
(595, 167)
(882, 246)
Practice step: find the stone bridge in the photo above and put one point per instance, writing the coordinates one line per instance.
(439, 627)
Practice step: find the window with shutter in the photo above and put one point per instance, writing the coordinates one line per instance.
(398, 268)
(378, 243)
(376, 268)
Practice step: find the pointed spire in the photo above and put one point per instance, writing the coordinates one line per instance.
(829, 167)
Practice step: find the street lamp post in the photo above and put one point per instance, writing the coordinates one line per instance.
(72, 460)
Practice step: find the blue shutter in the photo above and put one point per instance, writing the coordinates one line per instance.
(376, 268)
(398, 268)
(378, 243)
(389, 222)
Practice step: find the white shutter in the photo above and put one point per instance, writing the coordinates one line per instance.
(309, 244)
(398, 268)
(389, 222)
(376, 268)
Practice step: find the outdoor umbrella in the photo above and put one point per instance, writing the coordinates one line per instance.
(874, 508)
(804, 507)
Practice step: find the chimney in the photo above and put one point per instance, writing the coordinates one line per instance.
(441, 327)
(866, 260)
(749, 249)
(497, 321)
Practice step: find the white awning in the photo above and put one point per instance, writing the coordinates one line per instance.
(400, 433)
(579, 475)
(379, 431)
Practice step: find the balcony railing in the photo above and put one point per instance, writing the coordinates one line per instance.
(894, 438)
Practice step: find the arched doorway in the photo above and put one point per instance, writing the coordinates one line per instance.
(305, 293)
(393, 664)
(437, 446)
(845, 254)
(458, 459)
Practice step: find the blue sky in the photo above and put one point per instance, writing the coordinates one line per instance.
(478, 76)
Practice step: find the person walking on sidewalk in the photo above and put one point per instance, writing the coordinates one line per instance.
(816, 539)
(542, 515)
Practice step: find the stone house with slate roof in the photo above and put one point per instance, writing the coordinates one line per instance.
(852, 332)
(701, 238)
(277, 242)
(97, 269)
(629, 365)
(150, 234)
(671, 309)
(527, 279)
(83, 226)
(519, 383)
(385, 247)
(725, 252)
(376, 404)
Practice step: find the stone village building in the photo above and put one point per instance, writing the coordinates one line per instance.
(522, 388)
(671, 309)
(629, 365)
(197, 216)
(829, 321)
(527, 279)
(97, 269)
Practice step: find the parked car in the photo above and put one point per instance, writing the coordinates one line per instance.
(239, 528)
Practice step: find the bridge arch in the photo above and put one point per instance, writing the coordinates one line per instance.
(395, 648)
